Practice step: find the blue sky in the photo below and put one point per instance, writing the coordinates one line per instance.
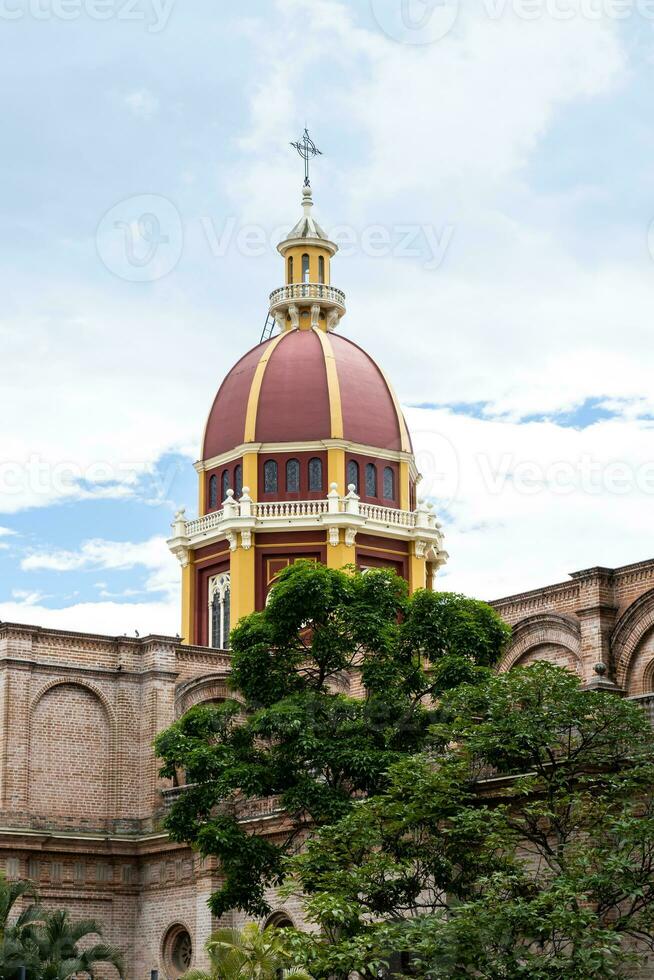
(488, 175)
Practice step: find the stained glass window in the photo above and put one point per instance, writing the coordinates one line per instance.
(371, 480)
(353, 474)
(293, 476)
(389, 483)
(213, 491)
(315, 474)
(238, 480)
(270, 476)
(225, 483)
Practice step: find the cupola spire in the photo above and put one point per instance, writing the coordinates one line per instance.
(307, 301)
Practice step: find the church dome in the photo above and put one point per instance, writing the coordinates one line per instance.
(301, 386)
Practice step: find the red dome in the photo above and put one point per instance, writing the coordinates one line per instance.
(301, 386)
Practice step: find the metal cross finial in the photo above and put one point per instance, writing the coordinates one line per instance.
(307, 150)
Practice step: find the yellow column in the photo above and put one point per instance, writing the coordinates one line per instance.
(404, 485)
(188, 601)
(242, 586)
(202, 496)
(417, 571)
(340, 554)
(336, 469)
(251, 474)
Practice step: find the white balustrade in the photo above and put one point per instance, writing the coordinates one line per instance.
(276, 509)
(349, 507)
(387, 515)
(309, 291)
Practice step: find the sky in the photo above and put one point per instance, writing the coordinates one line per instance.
(487, 172)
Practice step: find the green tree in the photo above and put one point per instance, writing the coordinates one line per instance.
(249, 954)
(58, 949)
(299, 741)
(14, 927)
(522, 846)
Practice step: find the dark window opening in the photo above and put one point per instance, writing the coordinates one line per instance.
(270, 482)
(321, 268)
(213, 491)
(353, 474)
(371, 480)
(315, 474)
(389, 483)
(293, 476)
(305, 268)
(238, 480)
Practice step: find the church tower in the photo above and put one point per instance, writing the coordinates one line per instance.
(306, 454)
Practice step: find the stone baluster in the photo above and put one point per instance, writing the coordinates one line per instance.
(245, 503)
(230, 506)
(352, 500)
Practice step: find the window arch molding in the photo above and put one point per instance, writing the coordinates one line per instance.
(219, 611)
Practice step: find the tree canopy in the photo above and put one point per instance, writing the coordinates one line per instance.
(522, 846)
(294, 737)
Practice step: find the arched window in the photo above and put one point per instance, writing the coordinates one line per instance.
(321, 268)
(290, 268)
(353, 474)
(238, 480)
(270, 482)
(293, 476)
(225, 483)
(305, 268)
(219, 611)
(315, 474)
(389, 483)
(371, 480)
(213, 491)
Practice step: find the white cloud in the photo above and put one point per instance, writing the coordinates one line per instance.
(526, 504)
(121, 556)
(142, 103)
(109, 618)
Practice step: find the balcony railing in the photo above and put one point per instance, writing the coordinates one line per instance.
(308, 291)
(330, 510)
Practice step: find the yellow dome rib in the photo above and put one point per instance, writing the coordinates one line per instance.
(255, 389)
(333, 386)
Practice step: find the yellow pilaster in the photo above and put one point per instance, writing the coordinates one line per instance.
(188, 601)
(241, 567)
(417, 572)
(336, 469)
(340, 554)
(202, 495)
(251, 474)
(404, 485)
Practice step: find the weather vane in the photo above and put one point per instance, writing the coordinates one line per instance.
(307, 150)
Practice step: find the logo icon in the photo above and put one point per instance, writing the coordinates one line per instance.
(141, 239)
(415, 21)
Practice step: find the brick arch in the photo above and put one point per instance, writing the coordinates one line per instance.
(84, 794)
(547, 630)
(209, 687)
(74, 682)
(631, 630)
